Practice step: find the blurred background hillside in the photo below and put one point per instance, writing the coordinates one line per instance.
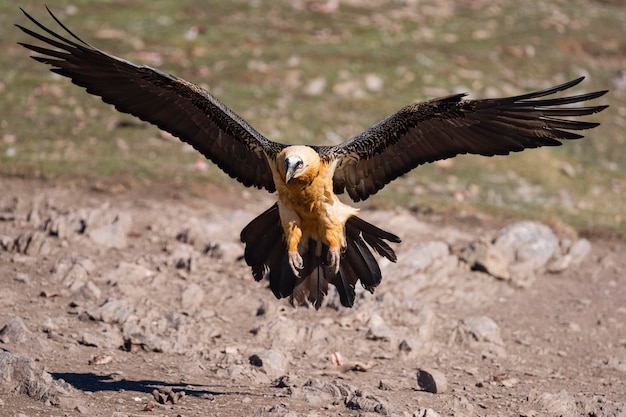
(322, 71)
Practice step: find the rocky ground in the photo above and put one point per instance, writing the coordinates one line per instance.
(137, 302)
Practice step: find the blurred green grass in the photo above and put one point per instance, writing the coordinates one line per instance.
(300, 75)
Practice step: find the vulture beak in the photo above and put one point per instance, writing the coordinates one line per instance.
(292, 165)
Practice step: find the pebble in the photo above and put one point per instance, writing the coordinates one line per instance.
(112, 311)
(561, 403)
(72, 272)
(191, 298)
(367, 403)
(167, 395)
(432, 380)
(425, 412)
(88, 292)
(484, 256)
(483, 329)
(113, 235)
(272, 362)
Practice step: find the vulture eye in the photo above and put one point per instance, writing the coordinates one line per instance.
(299, 165)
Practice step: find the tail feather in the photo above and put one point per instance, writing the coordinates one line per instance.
(345, 282)
(364, 264)
(374, 236)
(281, 277)
(266, 253)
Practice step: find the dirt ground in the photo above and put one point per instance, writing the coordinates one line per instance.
(128, 302)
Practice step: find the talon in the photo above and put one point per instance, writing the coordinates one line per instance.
(295, 261)
(334, 257)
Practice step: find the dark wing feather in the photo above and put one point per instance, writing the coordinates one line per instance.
(449, 126)
(171, 103)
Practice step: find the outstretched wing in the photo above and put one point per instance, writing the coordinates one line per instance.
(171, 103)
(449, 126)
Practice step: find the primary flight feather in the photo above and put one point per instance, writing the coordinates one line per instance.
(309, 238)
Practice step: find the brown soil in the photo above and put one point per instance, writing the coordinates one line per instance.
(134, 297)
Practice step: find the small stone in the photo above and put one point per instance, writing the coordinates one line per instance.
(113, 235)
(484, 256)
(560, 264)
(483, 329)
(112, 311)
(100, 360)
(72, 272)
(6, 242)
(272, 362)
(88, 292)
(432, 380)
(562, 403)
(425, 412)
(410, 346)
(283, 381)
(385, 385)
(369, 404)
(191, 298)
(374, 82)
(23, 278)
(315, 87)
(509, 382)
(579, 250)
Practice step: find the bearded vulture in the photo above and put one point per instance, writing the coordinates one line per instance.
(309, 238)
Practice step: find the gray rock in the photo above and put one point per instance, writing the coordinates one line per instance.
(151, 342)
(108, 337)
(527, 243)
(379, 330)
(191, 298)
(617, 363)
(367, 403)
(484, 256)
(131, 279)
(424, 254)
(574, 256)
(113, 235)
(480, 333)
(72, 272)
(59, 226)
(183, 257)
(432, 380)
(560, 404)
(425, 412)
(385, 385)
(271, 361)
(579, 250)
(410, 347)
(167, 395)
(112, 311)
(22, 374)
(6, 242)
(483, 329)
(560, 264)
(32, 242)
(87, 292)
(15, 332)
(329, 391)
